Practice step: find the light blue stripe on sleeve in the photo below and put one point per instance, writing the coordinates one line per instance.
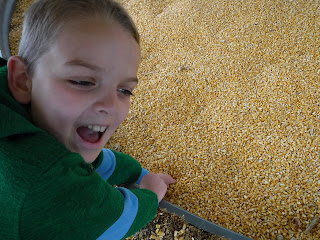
(108, 164)
(120, 228)
(143, 173)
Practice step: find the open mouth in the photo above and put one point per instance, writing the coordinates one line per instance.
(91, 133)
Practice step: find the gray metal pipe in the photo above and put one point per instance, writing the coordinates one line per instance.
(202, 223)
(7, 8)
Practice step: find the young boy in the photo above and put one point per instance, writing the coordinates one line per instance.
(61, 100)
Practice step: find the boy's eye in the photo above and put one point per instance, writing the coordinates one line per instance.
(81, 83)
(125, 92)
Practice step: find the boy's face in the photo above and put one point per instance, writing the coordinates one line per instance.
(81, 87)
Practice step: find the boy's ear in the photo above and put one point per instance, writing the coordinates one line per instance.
(18, 81)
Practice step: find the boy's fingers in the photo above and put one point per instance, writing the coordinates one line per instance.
(167, 178)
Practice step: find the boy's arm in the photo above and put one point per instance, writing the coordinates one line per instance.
(73, 202)
(119, 168)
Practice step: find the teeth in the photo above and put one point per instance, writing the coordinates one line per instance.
(97, 128)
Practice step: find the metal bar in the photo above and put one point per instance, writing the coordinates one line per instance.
(6, 11)
(202, 223)
(197, 221)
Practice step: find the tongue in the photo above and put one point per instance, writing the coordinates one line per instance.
(88, 135)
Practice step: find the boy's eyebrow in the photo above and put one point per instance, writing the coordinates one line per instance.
(78, 62)
(133, 79)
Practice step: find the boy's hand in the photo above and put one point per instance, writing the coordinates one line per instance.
(157, 182)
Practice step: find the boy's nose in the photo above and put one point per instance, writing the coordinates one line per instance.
(106, 103)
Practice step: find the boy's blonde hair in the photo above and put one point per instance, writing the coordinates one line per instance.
(45, 18)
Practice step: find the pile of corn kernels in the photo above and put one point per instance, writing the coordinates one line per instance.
(229, 104)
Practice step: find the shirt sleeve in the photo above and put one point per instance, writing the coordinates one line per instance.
(118, 168)
(72, 201)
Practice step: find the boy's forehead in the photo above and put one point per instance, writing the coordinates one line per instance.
(94, 27)
(81, 46)
(79, 35)
(77, 39)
